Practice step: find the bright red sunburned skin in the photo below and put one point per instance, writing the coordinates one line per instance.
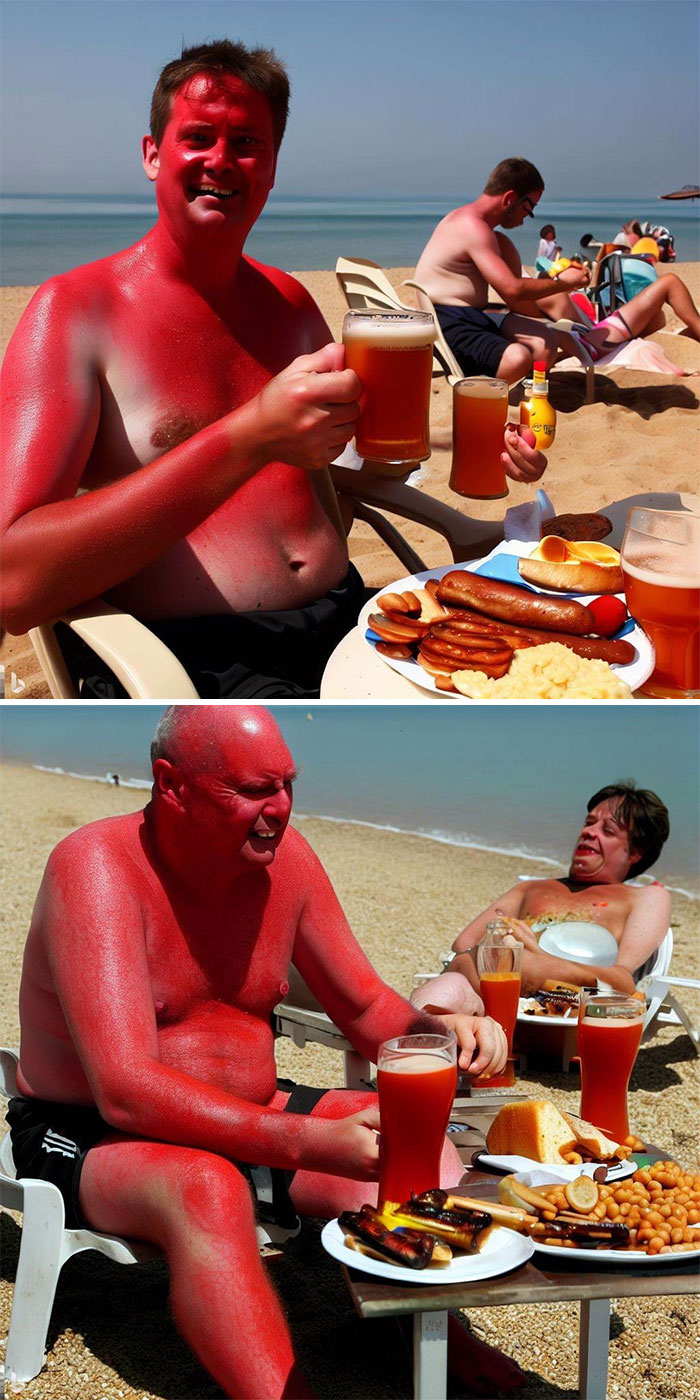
(139, 376)
(158, 947)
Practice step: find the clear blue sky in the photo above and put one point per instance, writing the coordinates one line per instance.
(394, 97)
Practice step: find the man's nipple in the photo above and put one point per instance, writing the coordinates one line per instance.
(284, 988)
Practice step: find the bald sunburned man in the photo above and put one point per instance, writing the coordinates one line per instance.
(169, 414)
(159, 945)
(622, 836)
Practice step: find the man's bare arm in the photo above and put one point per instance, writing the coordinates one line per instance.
(484, 250)
(509, 903)
(59, 549)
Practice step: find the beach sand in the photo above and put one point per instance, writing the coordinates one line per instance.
(406, 898)
(640, 435)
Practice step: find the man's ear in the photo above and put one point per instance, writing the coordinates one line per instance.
(149, 157)
(169, 784)
(510, 198)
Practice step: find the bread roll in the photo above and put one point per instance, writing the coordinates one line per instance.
(534, 1128)
(585, 567)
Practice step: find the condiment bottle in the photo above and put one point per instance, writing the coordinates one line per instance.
(542, 416)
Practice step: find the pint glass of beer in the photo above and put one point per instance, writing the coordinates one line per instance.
(661, 569)
(416, 1084)
(479, 411)
(391, 352)
(609, 1033)
(499, 966)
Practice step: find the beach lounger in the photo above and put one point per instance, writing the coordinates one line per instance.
(366, 287)
(146, 667)
(569, 344)
(616, 278)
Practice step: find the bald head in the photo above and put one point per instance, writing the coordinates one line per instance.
(199, 739)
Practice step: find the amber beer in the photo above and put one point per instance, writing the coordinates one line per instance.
(391, 353)
(609, 1035)
(661, 569)
(479, 411)
(499, 966)
(416, 1084)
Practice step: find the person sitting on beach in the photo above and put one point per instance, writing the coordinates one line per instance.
(628, 235)
(170, 413)
(548, 246)
(623, 835)
(159, 945)
(466, 255)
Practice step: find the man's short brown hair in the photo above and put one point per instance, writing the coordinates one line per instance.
(259, 68)
(514, 173)
(644, 817)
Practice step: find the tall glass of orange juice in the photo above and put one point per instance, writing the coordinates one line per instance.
(391, 352)
(479, 411)
(499, 965)
(416, 1084)
(661, 568)
(609, 1034)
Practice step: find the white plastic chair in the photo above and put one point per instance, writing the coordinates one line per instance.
(302, 1018)
(45, 1247)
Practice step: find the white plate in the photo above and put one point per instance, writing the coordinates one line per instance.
(532, 1020)
(503, 1250)
(635, 674)
(580, 941)
(623, 1258)
(527, 1169)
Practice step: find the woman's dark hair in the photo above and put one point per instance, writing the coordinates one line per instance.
(258, 68)
(548, 228)
(644, 817)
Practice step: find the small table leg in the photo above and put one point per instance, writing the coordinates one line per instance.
(593, 1347)
(430, 1355)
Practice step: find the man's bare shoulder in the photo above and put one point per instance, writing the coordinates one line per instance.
(111, 844)
(84, 295)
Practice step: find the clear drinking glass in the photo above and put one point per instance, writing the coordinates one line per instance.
(479, 412)
(499, 965)
(609, 1034)
(416, 1084)
(661, 568)
(392, 354)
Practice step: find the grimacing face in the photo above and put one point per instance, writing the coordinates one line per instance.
(602, 854)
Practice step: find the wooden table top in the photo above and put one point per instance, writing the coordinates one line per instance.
(541, 1279)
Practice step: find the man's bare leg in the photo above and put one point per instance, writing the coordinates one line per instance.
(197, 1208)
(537, 344)
(476, 1363)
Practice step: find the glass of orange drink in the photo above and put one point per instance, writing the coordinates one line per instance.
(479, 412)
(661, 568)
(499, 966)
(391, 353)
(416, 1084)
(609, 1033)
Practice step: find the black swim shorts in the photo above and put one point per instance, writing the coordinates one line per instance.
(50, 1142)
(473, 337)
(254, 655)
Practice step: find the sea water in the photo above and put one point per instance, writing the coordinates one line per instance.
(43, 235)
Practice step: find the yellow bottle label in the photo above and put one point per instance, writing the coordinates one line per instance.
(542, 419)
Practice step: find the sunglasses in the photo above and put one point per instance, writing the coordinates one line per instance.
(529, 207)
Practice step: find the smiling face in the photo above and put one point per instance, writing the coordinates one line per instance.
(215, 164)
(602, 855)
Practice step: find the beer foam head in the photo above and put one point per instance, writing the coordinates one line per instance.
(415, 1064)
(403, 328)
(662, 568)
(481, 388)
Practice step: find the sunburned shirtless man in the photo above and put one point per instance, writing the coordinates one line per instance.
(159, 945)
(622, 836)
(170, 413)
(466, 255)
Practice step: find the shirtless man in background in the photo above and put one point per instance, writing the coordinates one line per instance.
(465, 255)
(170, 413)
(159, 945)
(623, 835)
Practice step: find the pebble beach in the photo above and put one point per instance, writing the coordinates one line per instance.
(406, 897)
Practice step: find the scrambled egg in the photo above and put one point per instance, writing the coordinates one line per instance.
(548, 672)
